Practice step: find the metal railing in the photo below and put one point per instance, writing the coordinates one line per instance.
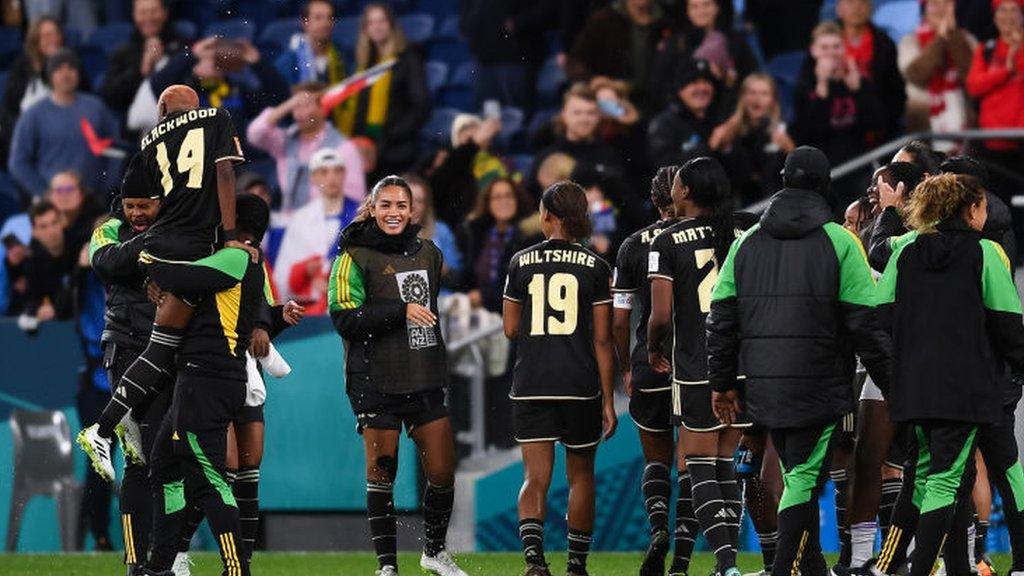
(475, 435)
(890, 148)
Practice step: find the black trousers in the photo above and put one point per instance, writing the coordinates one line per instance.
(188, 464)
(95, 510)
(136, 504)
(805, 454)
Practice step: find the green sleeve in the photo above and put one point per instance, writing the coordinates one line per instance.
(886, 291)
(104, 235)
(345, 290)
(725, 287)
(856, 285)
(997, 289)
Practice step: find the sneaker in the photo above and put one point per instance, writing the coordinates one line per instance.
(387, 571)
(182, 565)
(654, 558)
(441, 564)
(131, 440)
(98, 449)
(535, 570)
(734, 571)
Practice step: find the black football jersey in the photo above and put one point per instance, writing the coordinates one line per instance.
(684, 254)
(179, 158)
(630, 286)
(558, 284)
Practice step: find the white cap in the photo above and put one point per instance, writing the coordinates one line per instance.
(325, 158)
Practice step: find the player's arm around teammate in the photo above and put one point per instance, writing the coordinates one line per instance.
(558, 310)
(382, 297)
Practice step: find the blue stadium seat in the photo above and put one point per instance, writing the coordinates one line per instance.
(437, 76)
(436, 130)
(828, 10)
(279, 32)
(898, 18)
(522, 163)
(439, 8)
(464, 75)
(10, 44)
(346, 32)
(550, 81)
(460, 97)
(233, 29)
(110, 36)
(540, 120)
(418, 28)
(454, 52)
(72, 38)
(94, 63)
(785, 68)
(3, 81)
(186, 29)
(449, 28)
(512, 120)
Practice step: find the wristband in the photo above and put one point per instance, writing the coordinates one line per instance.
(230, 235)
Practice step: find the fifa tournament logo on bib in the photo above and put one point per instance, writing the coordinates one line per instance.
(414, 287)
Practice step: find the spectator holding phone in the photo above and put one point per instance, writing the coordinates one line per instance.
(753, 143)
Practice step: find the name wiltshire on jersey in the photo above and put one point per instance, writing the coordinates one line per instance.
(558, 256)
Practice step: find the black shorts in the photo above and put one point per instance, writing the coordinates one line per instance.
(691, 409)
(392, 411)
(249, 414)
(903, 448)
(650, 405)
(202, 403)
(574, 423)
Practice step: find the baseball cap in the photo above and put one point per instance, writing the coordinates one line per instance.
(807, 168)
(691, 71)
(325, 158)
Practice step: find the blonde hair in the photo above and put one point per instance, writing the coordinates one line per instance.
(940, 198)
(460, 123)
(556, 167)
(365, 50)
(827, 28)
(746, 122)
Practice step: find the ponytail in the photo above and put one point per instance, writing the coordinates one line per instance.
(710, 189)
(567, 201)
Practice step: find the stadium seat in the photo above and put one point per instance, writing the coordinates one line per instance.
(279, 32)
(233, 29)
(540, 121)
(464, 75)
(110, 36)
(72, 38)
(346, 33)
(437, 76)
(94, 63)
(439, 8)
(3, 81)
(186, 29)
(522, 163)
(418, 28)
(452, 51)
(10, 45)
(438, 127)
(512, 120)
(828, 10)
(898, 18)
(785, 67)
(550, 81)
(460, 97)
(449, 28)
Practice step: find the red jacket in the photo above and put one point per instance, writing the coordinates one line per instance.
(999, 91)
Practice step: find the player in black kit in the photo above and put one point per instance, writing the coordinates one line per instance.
(188, 157)
(683, 268)
(558, 311)
(650, 392)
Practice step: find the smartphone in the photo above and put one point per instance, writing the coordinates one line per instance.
(492, 109)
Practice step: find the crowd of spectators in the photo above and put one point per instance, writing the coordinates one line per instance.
(644, 83)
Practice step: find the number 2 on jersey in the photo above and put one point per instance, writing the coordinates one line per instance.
(190, 159)
(707, 285)
(562, 295)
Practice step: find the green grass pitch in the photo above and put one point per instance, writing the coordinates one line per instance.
(358, 563)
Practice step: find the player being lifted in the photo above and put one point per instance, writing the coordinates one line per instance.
(558, 311)
(189, 157)
(649, 392)
(683, 268)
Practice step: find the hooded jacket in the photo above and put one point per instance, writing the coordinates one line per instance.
(372, 280)
(793, 303)
(949, 302)
(114, 254)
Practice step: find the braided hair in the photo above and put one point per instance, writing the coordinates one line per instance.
(710, 189)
